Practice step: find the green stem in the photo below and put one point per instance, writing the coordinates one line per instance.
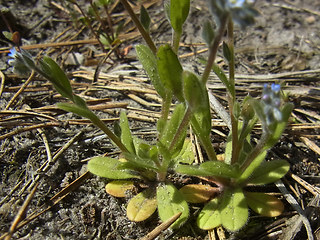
(206, 143)
(231, 62)
(255, 152)
(175, 41)
(96, 121)
(214, 48)
(141, 29)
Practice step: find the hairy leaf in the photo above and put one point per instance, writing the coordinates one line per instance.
(171, 202)
(126, 137)
(269, 172)
(108, 168)
(170, 71)
(233, 209)
(149, 63)
(209, 216)
(142, 206)
(179, 10)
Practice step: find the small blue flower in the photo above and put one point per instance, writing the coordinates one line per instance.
(12, 54)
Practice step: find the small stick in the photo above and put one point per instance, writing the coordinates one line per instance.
(163, 226)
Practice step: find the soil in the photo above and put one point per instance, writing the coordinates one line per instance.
(282, 46)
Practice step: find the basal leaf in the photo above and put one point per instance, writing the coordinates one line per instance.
(136, 162)
(142, 206)
(126, 137)
(269, 172)
(233, 209)
(171, 202)
(149, 63)
(108, 168)
(198, 193)
(264, 204)
(119, 188)
(209, 216)
(179, 10)
(193, 170)
(170, 71)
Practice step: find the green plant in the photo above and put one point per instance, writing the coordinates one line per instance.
(149, 164)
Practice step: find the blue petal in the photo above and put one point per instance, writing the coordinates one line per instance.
(13, 52)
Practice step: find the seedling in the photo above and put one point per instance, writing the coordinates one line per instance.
(146, 166)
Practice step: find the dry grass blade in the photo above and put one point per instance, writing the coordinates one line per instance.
(21, 213)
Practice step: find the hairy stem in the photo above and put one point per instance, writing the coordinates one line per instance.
(214, 48)
(141, 29)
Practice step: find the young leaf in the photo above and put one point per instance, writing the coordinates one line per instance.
(207, 32)
(126, 137)
(108, 168)
(269, 172)
(119, 188)
(57, 77)
(149, 63)
(170, 70)
(252, 167)
(144, 18)
(209, 216)
(195, 94)
(233, 209)
(197, 193)
(186, 154)
(171, 202)
(142, 206)
(264, 204)
(179, 10)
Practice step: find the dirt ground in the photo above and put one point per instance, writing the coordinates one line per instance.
(282, 46)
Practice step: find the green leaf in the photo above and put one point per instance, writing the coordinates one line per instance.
(57, 77)
(198, 193)
(209, 216)
(179, 10)
(269, 172)
(170, 71)
(195, 93)
(144, 18)
(208, 32)
(219, 169)
(119, 188)
(136, 162)
(142, 206)
(81, 111)
(233, 209)
(186, 155)
(126, 137)
(264, 204)
(149, 63)
(252, 167)
(171, 202)
(108, 168)
(171, 127)
(193, 170)
(226, 51)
